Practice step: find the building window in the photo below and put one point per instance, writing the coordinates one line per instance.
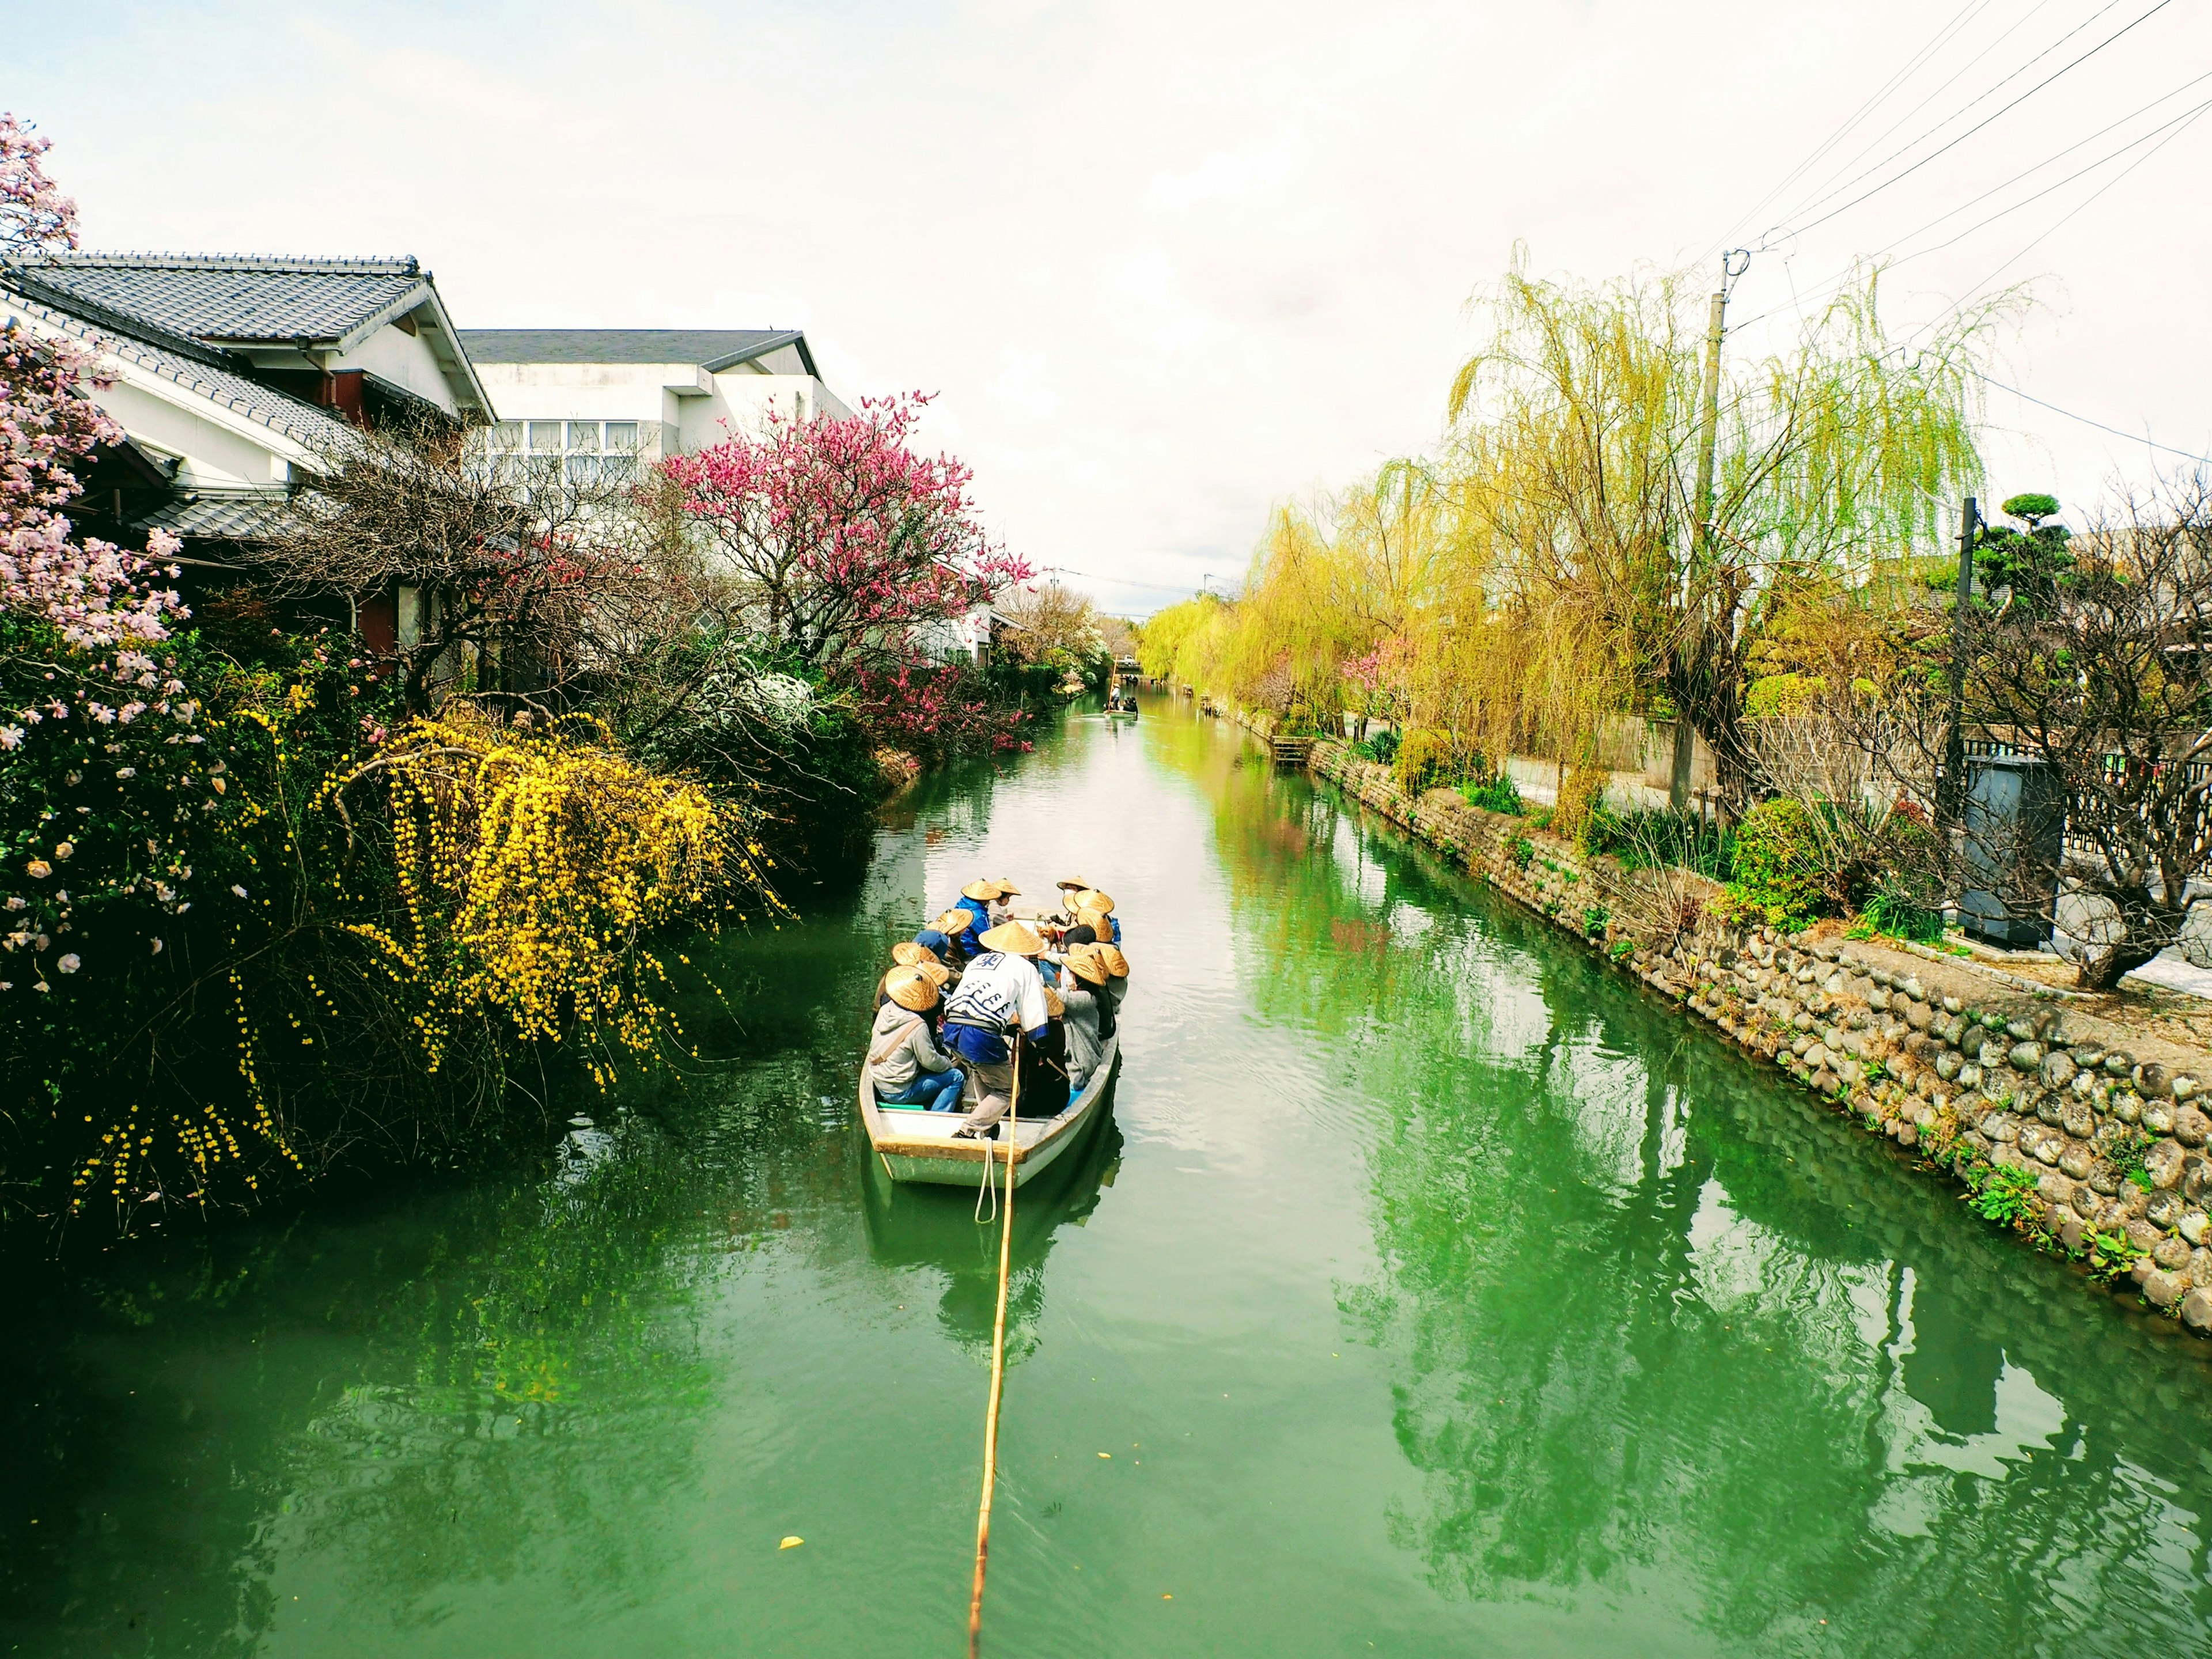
(586, 452)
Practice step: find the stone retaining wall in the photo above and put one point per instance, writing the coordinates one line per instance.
(1974, 1073)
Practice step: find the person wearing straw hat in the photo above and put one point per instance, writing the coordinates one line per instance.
(1092, 902)
(913, 953)
(979, 897)
(1089, 1012)
(1117, 973)
(904, 1063)
(958, 927)
(1000, 994)
(1004, 890)
(1043, 1066)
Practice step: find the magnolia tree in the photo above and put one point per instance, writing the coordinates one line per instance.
(96, 728)
(850, 549)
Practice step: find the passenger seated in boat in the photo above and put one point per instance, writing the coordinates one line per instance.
(1091, 901)
(961, 940)
(1068, 889)
(1003, 890)
(1117, 973)
(980, 897)
(1090, 1015)
(1044, 1065)
(934, 971)
(904, 1062)
(1001, 992)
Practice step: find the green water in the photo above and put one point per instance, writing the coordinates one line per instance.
(1433, 1292)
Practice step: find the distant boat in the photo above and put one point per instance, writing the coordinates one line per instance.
(917, 1146)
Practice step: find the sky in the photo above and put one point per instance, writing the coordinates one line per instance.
(1167, 265)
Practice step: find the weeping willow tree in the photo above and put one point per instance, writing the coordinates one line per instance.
(1573, 446)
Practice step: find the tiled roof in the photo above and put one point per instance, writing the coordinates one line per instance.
(237, 515)
(197, 371)
(709, 348)
(225, 298)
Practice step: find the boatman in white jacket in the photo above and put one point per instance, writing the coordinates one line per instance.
(1000, 993)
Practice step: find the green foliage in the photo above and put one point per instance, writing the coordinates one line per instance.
(2032, 506)
(1782, 694)
(1581, 796)
(1521, 850)
(2002, 1195)
(1643, 839)
(1777, 865)
(1498, 794)
(1425, 759)
(1596, 918)
(1900, 914)
(1382, 749)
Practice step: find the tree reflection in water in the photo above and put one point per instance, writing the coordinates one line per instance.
(1656, 1323)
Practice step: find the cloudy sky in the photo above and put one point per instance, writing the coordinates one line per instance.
(1166, 264)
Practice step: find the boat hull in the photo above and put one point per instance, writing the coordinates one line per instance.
(914, 1148)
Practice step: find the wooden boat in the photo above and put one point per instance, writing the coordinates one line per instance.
(1120, 713)
(918, 1146)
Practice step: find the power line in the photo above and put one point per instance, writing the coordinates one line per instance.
(2176, 123)
(1942, 37)
(2078, 208)
(1864, 196)
(2186, 454)
(1837, 183)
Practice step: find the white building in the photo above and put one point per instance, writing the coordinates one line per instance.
(612, 399)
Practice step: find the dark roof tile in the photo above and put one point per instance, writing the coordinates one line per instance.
(709, 348)
(226, 297)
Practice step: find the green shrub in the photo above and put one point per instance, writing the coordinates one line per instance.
(1425, 758)
(1580, 797)
(1500, 794)
(1521, 849)
(1643, 839)
(1777, 867)
(1382, 748)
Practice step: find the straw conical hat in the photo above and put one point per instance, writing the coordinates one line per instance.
(1091, 899)
(911, 989)
(907, 954)
(935, 972)
(1116, 963)
(956, 922)
(985, 890)
(1085, 962)
(1005, 886)
(1096, 922)
(1016, 939)
(1053, 1005)
(1077, 882)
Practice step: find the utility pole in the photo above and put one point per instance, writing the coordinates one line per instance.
(1951, 788)
(1734, 264)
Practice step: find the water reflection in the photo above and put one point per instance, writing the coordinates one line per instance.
(1657, 1324)
(936, 1231)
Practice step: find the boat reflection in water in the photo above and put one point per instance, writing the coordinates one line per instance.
(919, 1226)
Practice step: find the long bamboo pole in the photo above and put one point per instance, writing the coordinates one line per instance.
(998, 1365)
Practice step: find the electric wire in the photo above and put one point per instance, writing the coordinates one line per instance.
(1837, 184)
(2041, 236)
(2171, 128)
(1942, 37)
(2132, 437)
(1996, 115)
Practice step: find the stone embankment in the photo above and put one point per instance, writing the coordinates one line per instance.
(2097, 1135)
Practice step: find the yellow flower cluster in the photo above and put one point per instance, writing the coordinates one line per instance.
(532, 866)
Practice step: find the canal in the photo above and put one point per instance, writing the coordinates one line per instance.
(1429, 1291)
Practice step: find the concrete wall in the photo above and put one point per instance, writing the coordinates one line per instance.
(680, 407)
(405, 360)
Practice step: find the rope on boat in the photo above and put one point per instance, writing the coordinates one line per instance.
(998, 1357)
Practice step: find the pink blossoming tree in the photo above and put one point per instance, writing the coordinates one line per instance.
(848, 547)
(91, 717)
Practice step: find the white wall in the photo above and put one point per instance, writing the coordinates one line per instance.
(405, 360)
(216, 454)
(737, 400)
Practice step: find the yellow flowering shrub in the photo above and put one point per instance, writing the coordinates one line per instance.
(531, 866)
